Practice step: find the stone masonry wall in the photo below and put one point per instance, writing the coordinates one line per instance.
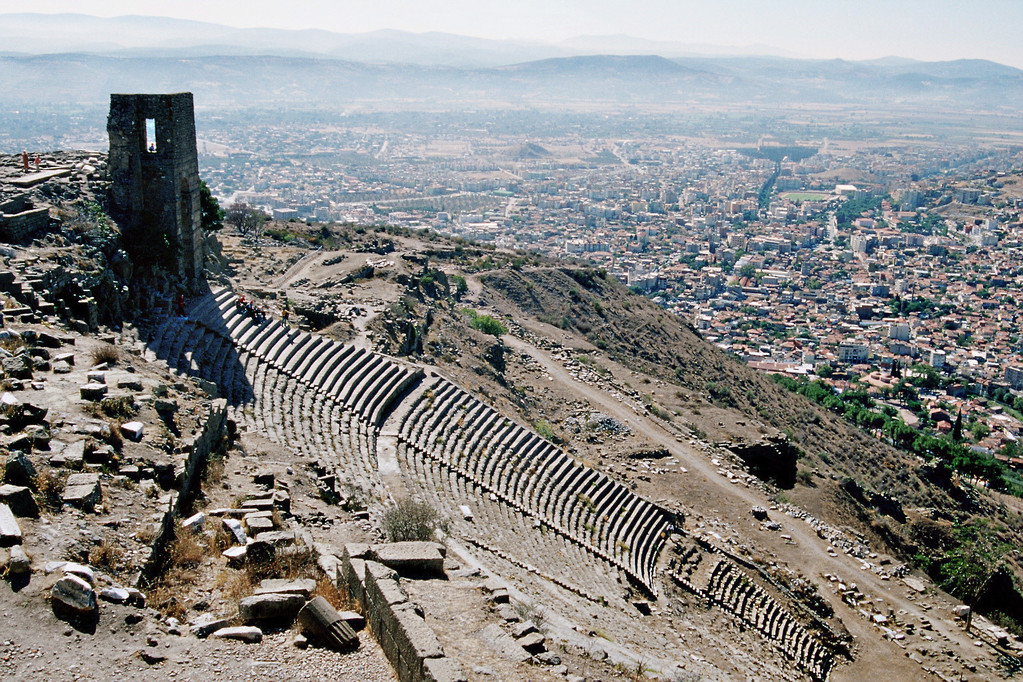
(157, 189)
(397, 623)
(205, 440)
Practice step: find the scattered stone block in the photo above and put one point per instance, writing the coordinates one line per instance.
(548, 658)
(507, 613)
(264, 477)
(83, 490)
(270, 607)
(320, 621)
(165, 405)
(51, 566)
(411, 558)
(132, 430)
(47, 340)
(304, 586)
(93, 391)
(206, 624)
(234, 527)
(244, 633)
(524, 628)
(19, 470)
(501, 642)
(194, 523)
(277, 538)
(19, 499)
(10, 531)
(17, 366)
(115, 595)
(71, 457)
(73, 596)
(60, 367)
(354, 620)
(19, 563)
(533, 643)
(357, 550)
(262, 503)
(19, 442)
(136, 598)
(443, 669)
(282, 500)
(38, 434)
(131, 472)
(95, 377)
(235, 555)
(82, 571)
(129, 384)
(258, 524)
(68, 358)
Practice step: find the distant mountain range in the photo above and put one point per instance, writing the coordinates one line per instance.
(81, 59)
(161, 36)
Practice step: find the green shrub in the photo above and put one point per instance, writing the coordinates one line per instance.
(488, 325)
(546, 431)
(410, 520)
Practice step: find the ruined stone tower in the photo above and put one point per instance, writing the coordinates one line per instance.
(154, 173)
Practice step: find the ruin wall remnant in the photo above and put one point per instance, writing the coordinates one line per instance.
(154, 174)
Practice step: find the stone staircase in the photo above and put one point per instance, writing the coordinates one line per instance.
(535, 478)
(714, 577)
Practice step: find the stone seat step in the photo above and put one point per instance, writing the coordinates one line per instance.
(379, 409)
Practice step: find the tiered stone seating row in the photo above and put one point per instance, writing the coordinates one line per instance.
(535, 477)
(505, 531)
(719, 580)
(364, 382)
(216, 342)
(312, 393)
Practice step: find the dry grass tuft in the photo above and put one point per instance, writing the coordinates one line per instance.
(186, 550)
(107, 353)
(338, 598)
(106, 555)
(147, 534)
(164, 595)
(120, 407)
(410, 520)
(115, 440)
(214, 472)
(218, 540)
(50, 485)
(234, 584)
(288, 565)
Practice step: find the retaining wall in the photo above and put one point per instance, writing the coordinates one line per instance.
(397, 623)
(205, 440)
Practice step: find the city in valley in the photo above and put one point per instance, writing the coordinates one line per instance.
(884, 266)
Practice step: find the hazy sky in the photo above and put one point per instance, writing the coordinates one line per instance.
(850, 29)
